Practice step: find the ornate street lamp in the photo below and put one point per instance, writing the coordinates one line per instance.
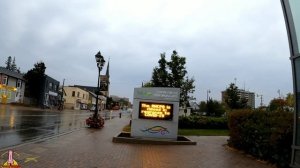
(96, 121)
(100, 63)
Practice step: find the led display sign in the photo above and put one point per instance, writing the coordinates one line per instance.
(157, 111)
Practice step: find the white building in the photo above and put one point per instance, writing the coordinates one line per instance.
(12, 86)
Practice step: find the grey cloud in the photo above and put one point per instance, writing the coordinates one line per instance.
(231, 39)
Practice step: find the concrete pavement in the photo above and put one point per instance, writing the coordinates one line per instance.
(90, 148)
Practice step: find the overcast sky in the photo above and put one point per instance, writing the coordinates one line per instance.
(221, 40)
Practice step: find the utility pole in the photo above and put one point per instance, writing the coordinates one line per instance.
(61, 104)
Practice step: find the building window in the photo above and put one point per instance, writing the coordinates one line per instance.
(73, 94)
(83, 96)
(19, 83)
(78, 94)
(50, 85)
(4, 80)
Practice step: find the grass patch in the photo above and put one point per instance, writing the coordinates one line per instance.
(194, 132)
(203, 132)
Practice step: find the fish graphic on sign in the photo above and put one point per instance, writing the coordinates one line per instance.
(156, 129)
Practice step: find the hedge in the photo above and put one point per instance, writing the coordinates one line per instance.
(202, 122)
(265, 135)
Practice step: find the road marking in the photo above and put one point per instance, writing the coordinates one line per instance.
(29, 159)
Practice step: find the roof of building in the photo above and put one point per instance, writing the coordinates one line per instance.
(88, 88)
(50, 78)
(194, 105)
(94, 95)
(11, 73)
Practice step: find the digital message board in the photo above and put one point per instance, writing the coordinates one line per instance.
(156, 111)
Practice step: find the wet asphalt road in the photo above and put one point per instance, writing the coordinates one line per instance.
(21, 124)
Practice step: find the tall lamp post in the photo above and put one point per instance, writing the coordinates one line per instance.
(96, 121)
(100, 63)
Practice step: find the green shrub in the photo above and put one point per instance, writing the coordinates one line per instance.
(202, 122)
(265, 135)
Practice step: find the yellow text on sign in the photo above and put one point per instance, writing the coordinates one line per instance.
(154, 110)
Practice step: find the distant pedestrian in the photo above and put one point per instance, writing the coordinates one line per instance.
(120, 114)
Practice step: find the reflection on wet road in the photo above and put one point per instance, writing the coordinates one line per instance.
(18, 125)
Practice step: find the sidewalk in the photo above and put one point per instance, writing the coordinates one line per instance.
(90, 148)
